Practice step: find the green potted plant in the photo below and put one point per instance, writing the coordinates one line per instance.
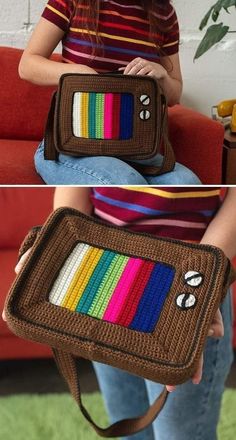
(215, 32)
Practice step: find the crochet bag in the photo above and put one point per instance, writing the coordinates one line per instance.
(109, 115)
(130, 300)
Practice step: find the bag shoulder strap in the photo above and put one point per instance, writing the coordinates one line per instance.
(50, 151)
(68, 364)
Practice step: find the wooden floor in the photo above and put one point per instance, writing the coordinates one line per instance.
(41, 376)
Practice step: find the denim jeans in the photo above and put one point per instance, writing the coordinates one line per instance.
(191, 411)
(103, 170)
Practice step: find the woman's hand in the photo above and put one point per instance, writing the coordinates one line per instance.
(18, 268)
(216, 331)
(140, 66)
(167, 73)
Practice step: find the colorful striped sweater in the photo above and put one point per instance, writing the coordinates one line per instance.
(176, 212)
(123, 29)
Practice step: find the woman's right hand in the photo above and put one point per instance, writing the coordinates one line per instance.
(18, 268)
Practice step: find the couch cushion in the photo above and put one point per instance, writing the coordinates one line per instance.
(198, 142)
(8, 260)
(13, 347)
(17, 163)
(22, 208)
(24, 105)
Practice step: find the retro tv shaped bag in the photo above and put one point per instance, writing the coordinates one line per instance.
(117, 115)
(131, 300)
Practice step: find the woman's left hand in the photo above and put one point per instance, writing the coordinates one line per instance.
(216, 331)
(140, 66)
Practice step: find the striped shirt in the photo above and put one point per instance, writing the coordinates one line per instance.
(123, 29)
(174, 212)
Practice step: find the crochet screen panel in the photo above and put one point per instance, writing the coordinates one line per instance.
(103, 115)
(106, 285)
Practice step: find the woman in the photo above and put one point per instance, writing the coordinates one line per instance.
(185, 213)
(138, 37)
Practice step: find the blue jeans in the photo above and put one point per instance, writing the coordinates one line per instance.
(102, 170)
(191, 411)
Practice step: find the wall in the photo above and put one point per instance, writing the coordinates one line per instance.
(211, 78)
(206, 82)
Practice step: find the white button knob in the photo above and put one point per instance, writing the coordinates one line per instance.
(186, 301)
(145, 99)
(193, 278)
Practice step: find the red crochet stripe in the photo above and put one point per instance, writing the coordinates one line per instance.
(134, 296)
(116, 116)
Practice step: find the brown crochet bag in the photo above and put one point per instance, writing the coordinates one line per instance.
(131, 300)
(109, 115)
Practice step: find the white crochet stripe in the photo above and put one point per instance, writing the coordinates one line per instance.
(77, 122)
(67, 273)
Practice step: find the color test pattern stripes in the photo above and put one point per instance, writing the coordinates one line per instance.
(106, 285)
(103, 115)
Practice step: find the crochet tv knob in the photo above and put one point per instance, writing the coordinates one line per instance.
(145, 99)
(193, 278)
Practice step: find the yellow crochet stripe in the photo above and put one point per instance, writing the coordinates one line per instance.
(57, 12)
(114, 37)
(84, 114)
(71, 292)
(83, 276)
(170, 195)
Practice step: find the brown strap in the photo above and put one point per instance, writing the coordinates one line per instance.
(169, 155)
(67, 364)
(50, 151)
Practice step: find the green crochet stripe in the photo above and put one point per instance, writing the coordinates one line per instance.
(107, 286)
(92, 115)
(99, 115)
(96, 279)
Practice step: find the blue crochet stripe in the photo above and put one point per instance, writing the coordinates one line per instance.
(153, 298)
(126, 115)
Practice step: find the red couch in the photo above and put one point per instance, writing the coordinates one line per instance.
(197, 140)
(24, 208)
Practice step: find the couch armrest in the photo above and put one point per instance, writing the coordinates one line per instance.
(198, 142)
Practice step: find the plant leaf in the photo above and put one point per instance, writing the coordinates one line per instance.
(214, 11)
(215, 15)
(223, 4)
(205, 19)
(213, 35)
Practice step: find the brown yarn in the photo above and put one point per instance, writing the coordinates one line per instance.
(148, 136)
(168, 355)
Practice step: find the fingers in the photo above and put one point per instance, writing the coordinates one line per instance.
(18, 267)
(135, 66)
(21, 262)
(170, 388)
(138, 69)
(196, 379)
(4, 316)
(217, 326)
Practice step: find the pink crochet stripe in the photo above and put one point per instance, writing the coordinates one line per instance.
(122, 289)
(108, 106)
